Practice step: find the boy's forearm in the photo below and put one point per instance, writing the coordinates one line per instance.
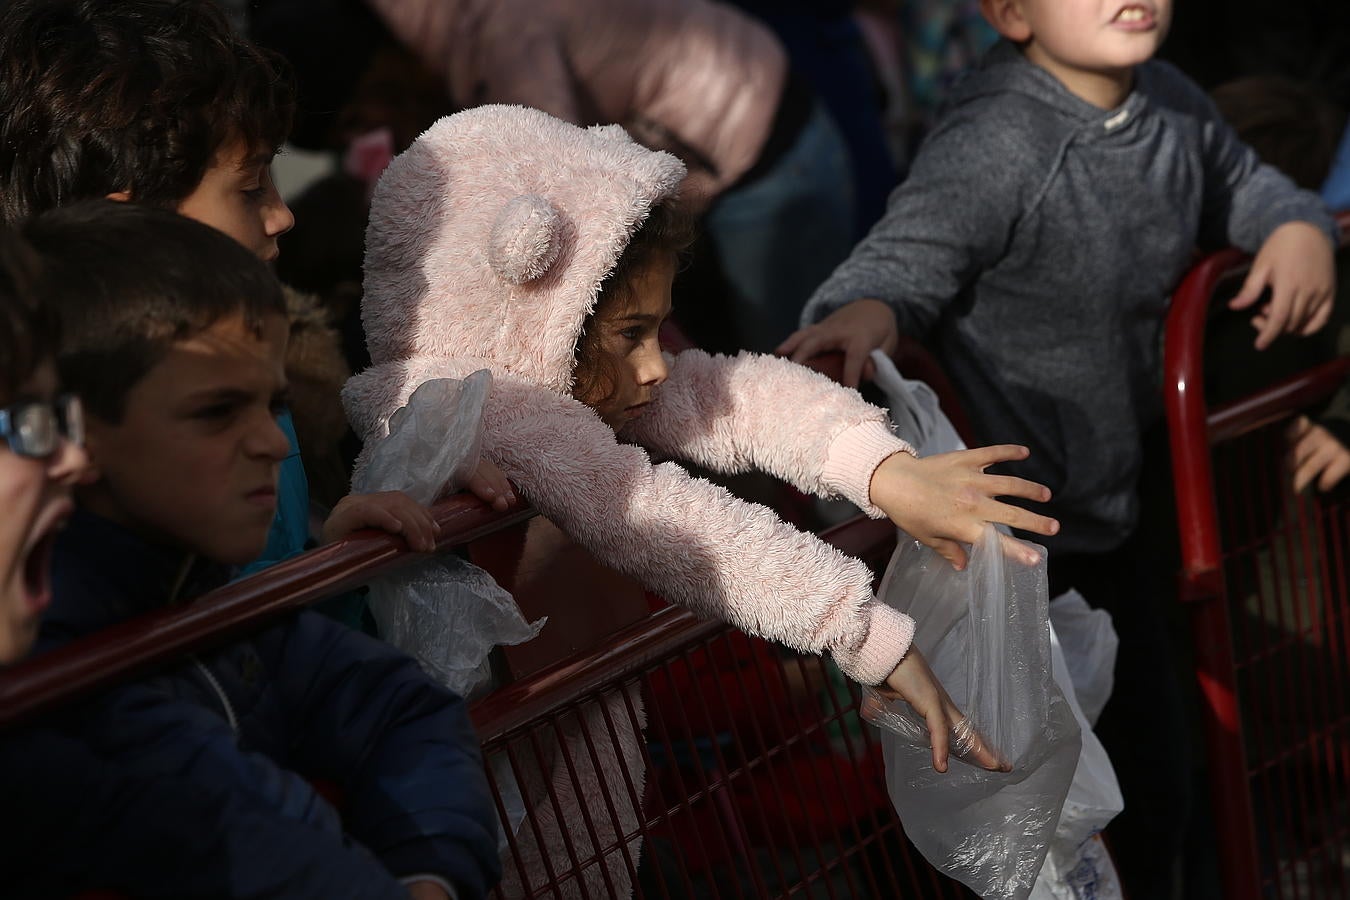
(1248, 200)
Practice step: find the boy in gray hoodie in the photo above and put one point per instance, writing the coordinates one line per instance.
(1045, 222)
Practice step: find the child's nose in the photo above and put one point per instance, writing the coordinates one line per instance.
(653, 370)
(268, 440)
(280, 219)
(68, 463)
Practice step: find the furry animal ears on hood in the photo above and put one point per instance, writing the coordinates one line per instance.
(491, 235)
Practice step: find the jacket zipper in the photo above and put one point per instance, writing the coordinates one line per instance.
(220, 692)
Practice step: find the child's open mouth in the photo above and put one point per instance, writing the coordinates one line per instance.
(37, 568)
(1135, 17)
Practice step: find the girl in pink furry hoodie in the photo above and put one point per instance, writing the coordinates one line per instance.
(505, 239)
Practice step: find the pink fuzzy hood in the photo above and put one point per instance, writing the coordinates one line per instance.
(490, 236)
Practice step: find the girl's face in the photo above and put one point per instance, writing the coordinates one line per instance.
(35, 494)
(628, 340)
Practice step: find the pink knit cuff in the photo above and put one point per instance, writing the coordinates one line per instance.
(886, 644)
(854, 456)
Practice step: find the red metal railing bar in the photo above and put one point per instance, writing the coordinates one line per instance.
(1201, 579)
(630, 649)
(1232, 420)
(130, 648)
(1184, 398)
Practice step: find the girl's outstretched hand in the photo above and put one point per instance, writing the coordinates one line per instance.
(945, 501)
(914, 682)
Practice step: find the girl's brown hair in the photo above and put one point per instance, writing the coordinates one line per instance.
(667, 233)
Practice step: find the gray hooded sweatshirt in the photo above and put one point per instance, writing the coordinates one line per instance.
(1035, 245)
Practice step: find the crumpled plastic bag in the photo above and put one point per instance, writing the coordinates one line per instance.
(433, 442)
(915, 411)
(985, 633)
(446, 613)
(1089, 643)
(1077, 866)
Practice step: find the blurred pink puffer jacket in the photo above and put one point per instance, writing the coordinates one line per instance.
(698, 79)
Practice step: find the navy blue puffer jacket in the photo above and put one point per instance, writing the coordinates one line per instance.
(247, 727)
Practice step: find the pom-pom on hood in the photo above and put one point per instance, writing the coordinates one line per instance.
(490, 236)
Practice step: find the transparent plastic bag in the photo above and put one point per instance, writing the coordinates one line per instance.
(1077, 866)
(915, 411)
(445, 613)
(1089, 643)
(985, 633)
(432, 443)
(1088, 874)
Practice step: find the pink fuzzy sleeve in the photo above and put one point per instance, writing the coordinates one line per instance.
(690, 540)
(751, 411)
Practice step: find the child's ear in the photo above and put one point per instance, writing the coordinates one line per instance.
(1007, 19)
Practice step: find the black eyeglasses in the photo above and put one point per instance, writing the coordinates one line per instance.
(35, 428)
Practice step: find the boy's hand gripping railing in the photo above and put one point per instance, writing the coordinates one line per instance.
(129, 648)
(1193, 430)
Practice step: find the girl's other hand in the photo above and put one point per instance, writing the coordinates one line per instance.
(489, 484)
(944, 501)
(391, 511)
(914, 682)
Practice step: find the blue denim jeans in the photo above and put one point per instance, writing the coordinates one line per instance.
(780, 236)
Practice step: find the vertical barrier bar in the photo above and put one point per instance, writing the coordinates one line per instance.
(1202, 579)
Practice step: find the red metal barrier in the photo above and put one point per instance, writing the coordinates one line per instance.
(1229, 571)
